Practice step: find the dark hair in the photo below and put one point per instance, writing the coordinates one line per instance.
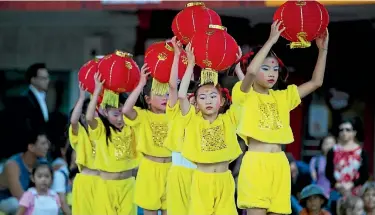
(32, 71)
(32, 136)
(245, 62)
(323, 139)
(227, 102)
(141, 102)
(38, 165)
(106, 123)
(84, 110)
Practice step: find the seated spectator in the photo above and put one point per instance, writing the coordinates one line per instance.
(300, 178)
(368, 196)
(15, 178)
(313, 200)
(350, 205)
(318, 164)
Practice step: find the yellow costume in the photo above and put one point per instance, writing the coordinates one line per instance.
(118, 155)
(181, 173)
(83, 198)
(209, 143)
(264, 179)
(152, 130)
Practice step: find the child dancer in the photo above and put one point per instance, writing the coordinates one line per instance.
(264, 181)
(85, 182)
(152, 126)
(181, 172)
(115, 157)
(40, 199)
(211, 143)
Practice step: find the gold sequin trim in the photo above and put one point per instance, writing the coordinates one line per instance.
(301, 3)
(123, 54)
(159, 133)
(218, 27)
(93, 149)
(269, 116)
(123, 147)
(213, 139)
(168, 47)
(191, 4)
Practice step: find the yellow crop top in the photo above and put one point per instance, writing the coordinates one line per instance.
(206, 142)
(151, 131)
(176, 129)
(119, 154)
(84, 148)
(265, 117)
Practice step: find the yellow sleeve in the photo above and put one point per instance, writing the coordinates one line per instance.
(140, 114)
(173, 111)
(234, 113)
(96, 133)
(238, 97)
(292, 96)
(73, 139)
(185, 119)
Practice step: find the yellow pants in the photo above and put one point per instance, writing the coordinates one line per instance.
(265, 182)
(83, 201)
(151, 183)
(178, 190)
(212, 193)
(115, 197)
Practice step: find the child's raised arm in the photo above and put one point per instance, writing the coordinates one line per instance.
(238, 69)
(259, 58)
(128, 109)
(320, 67)
(184, 86)
(173, 94)
(90, 114)
(77, 111)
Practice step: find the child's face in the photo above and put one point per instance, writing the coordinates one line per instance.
(268, 73)
(357, 210)
(158, 103)
(314, 203)
(208, 100)
(42, 178)
(115, 117)
(369, 199)
(328, 143)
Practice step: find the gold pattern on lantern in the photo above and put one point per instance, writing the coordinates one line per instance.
(159, 133)
(162, 56)
(184, 60)
(207, 62)
(128, 65)
(210, 32)
(185, 38)
(303, 43)
(168, 47)
(191, 4)
(213, 139)
(123, 54)
(301, 3)
(123, 147)
(218, 27)
(269, 117)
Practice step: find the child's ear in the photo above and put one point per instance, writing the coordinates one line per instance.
(32, 179)
(222, 101)
(148, 99)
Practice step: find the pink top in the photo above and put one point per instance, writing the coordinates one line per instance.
(31, 201)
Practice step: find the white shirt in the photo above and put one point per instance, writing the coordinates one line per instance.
(41, 98)
(59, 179)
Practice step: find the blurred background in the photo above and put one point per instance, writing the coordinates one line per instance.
(64, 35)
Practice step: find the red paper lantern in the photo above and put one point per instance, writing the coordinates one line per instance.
(121, 74)
(215, 50)
(159, 58)
(195, 17)
(86, 75)
(303, 21)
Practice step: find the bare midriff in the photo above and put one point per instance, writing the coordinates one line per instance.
(213, 167)
(258, 146)
(116, 175)
(88, 171)
(158, 159)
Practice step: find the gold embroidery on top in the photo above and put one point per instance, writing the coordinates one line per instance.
(123, 147)
(213, 139)
(269, 116)
(159, 133)
(93, 149)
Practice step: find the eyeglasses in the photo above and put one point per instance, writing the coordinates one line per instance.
(345, 129)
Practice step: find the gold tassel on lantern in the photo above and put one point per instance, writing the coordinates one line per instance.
(110, 98)
(159, 88)
(209, 75)
(303, 43)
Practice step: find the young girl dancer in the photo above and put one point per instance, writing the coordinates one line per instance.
(152, 126)
(115, 159)
(264, 179)
(40, 199)
(181, 172)
(211, 143)
(85, 182)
